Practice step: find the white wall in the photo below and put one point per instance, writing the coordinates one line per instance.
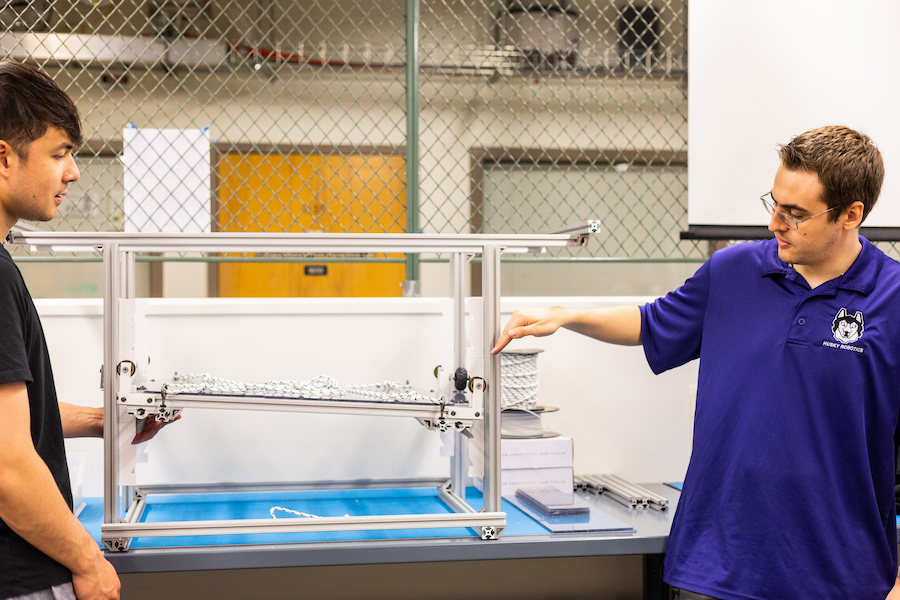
(623, 419)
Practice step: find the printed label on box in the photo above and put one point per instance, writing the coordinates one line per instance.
(512, 479)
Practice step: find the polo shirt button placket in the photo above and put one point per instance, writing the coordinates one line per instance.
(798, 331)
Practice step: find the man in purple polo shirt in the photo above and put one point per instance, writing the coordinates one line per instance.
(789, 494)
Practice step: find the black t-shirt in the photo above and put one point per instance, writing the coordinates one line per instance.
(24, 357)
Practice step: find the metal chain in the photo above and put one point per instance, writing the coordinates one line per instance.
(322, 387)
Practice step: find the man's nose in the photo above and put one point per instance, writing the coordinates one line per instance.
(71, 173)
(777, 223)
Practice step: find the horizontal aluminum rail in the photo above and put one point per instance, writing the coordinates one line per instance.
(293, 242)
(110, 532)
(624, 492)
(150, 402)
(232, 487)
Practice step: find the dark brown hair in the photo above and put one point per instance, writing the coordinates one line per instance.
(30, 102)
(848, 163)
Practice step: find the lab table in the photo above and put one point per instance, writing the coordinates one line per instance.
(524, 537)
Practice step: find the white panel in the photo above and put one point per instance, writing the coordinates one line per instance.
(167, 180)
(762, 72)
(623, 419)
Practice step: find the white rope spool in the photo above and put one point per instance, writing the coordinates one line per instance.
(519, 379)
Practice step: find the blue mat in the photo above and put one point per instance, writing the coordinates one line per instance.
(332, 503)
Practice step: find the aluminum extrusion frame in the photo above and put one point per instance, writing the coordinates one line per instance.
(119, 252)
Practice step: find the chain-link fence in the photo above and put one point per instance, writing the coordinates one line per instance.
(521, 116)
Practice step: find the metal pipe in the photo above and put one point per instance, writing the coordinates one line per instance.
(129, 275)
(136, 510)
(458, 285)
(260, 403)
(297, 242)
(460, 464)
(111, 292)
(624, 491)
(412, 139)
(454, 501)
(289, 486)
(639, 491)
(255, 526)
(490, 276)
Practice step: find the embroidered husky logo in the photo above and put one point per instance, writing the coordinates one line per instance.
(847, 328)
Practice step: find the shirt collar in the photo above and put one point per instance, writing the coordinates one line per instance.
(860, 277)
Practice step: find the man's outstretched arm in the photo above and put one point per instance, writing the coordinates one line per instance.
(85, 421)
(616, 325)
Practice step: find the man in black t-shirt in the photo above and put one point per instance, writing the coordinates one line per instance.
(44, 551)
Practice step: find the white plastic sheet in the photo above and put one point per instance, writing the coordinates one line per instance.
(167, 180)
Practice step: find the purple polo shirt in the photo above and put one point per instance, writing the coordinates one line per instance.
(790, 489)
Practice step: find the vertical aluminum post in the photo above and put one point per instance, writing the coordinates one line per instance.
(411, 282)
(460, 465)
(129, 274)
(111, 293)
(458, 265)
(129, 287)
(490, 286)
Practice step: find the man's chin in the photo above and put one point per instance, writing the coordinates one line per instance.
(47, 215)
(784, 255)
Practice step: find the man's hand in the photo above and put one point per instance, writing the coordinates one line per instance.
(538, 322)
(149, 428)
(101, 583)
(895, 592)
(84, 421)
(614, 325)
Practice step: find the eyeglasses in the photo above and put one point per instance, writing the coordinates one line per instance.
(790, 220)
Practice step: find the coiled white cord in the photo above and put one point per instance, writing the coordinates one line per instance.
(518, 379)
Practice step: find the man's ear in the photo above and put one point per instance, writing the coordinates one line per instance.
(854, 215)
(6, 155)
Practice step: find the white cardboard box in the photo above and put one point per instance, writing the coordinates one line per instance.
(527, 453)
(512, 479)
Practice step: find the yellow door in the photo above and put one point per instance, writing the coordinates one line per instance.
(312, 193)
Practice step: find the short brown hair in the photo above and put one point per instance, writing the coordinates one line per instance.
(848, 164)
(30, 102)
